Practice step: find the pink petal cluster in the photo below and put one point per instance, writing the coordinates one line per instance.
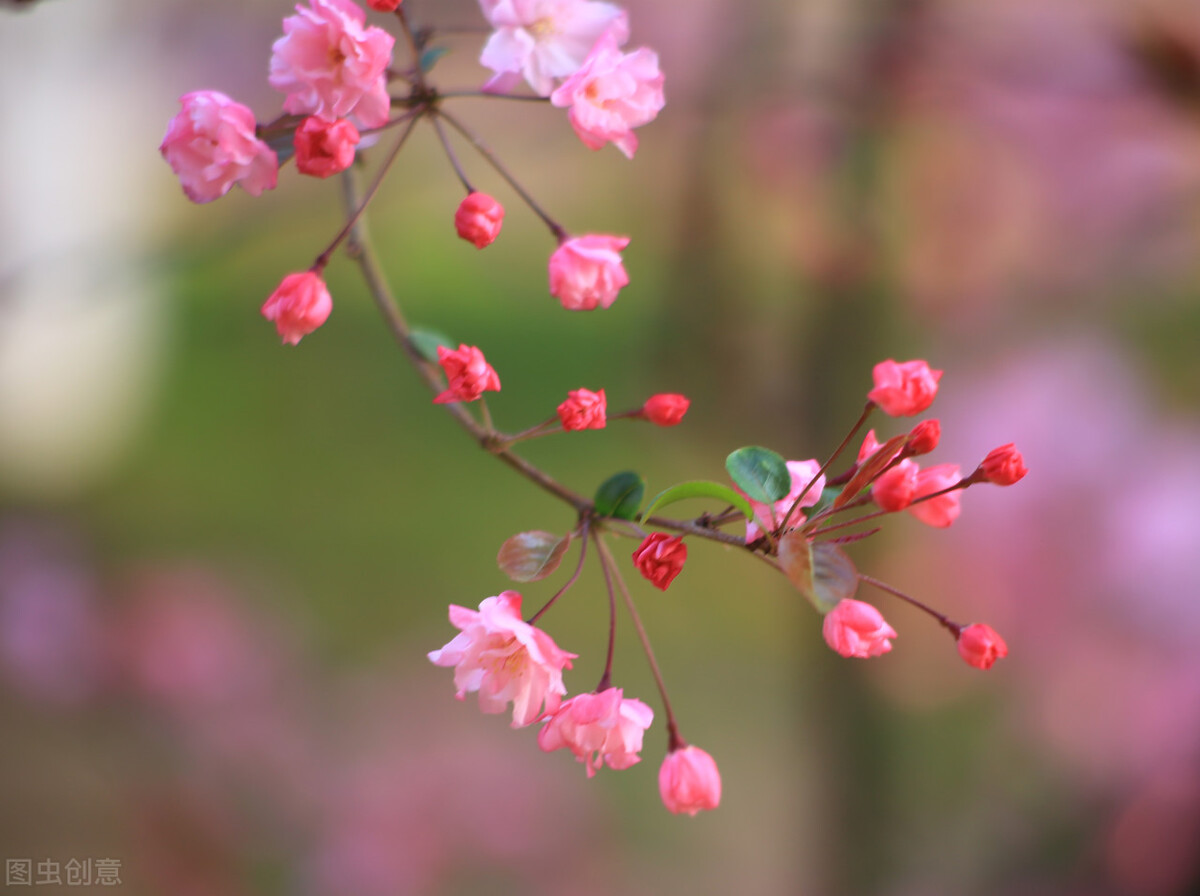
(330, 65)
(544, 40)
(802, 472)
(904, 390)
(210, 144)
(611, 94)
(660, 558)
(899, 486)
(688, 781)
(468, 374)
(586, 272)
(666, 408)
(854, 628)
(299, 305)
(478, 219)
(980, 646)
(600, 729)
(325, 148)
(944, 509)
(1004, 465)
(583, 409)
(505, 659)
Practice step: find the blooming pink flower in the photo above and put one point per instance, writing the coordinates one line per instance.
(545, 39)
(600, 729)
(943, 510)
(504, 659)
(211, 145)
(924, 437)
(612, 93)
(583, 409)
(468, 374)
(980, 646)
(586, 271)
(383, 5)
(325, 148)
(854, 628)
(330, 65)
(660, 558)
(688, 781)
(802, 472)
(1004, 465)
(904, 390)
(299, 305)
(478, 219)
(666, 408)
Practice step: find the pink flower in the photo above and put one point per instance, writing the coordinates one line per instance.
(504, 659)
(478, 219)
(211, 145)
(665, 409)
(468, 374)
(940, 511)
(893, 489)
(980, 646)
(586, 271)
(660, 558)
(299, 305)
(600, 729)
(924, 437)
(1004, 465)
(802, 472)
(854, 628)
(330, 66)
(904, 390)
(688, 781)
(383, 5)
(583, 409)
(544, 39)
(325, 148)
(611, 94)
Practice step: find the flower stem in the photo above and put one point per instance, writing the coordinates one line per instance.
(585, 525)
(954, 627)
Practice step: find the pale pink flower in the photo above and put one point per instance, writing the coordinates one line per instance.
(543, 40)
(904, 390)
(854, 628)
(600, 729)
(468, 374)
(583, 409)
(325, 148)
(211, 145)
(666, 408)
(586, 271)
(944, 509)
(1004, 465)
(505, 659)
(299, 305)
(802, 472)
(688, 781)
(478, 219)
(980, 646)
(660, 558)
(612, 94)
(330, 65)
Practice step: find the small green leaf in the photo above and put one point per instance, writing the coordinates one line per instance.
(760, 473)
(822, 572)
(530, 556)
(427, 342)
(620, 496)
(699, 489)
(430, 57)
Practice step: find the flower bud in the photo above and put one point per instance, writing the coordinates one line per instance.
(980, 646)
(854, 628)
(299, 305)
(383, 5)
(904, 390)
(325, 148)
(478, 219)
(1004, 465)
(688, 781)
(468, 374)
(943, 510)
(660, 558)
(894, 489)
(583, 409)
(924, 437)
(665, 409)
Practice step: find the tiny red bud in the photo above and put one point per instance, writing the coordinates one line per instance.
(1004, 465)
(299, 304)
(583, 409)
(980, 646)
(904, 390)
(924, 437)
(478, 219)
(383, 5)
(665, 409)
(325, 148)
(660, 558)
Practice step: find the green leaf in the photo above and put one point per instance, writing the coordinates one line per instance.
(699, 489)
(530, 556)
(430, 57)
(620, 496)
(760, 473)
(427, 342)
(822, 572)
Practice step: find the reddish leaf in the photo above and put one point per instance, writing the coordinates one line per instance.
(530, 556)
(869, 469)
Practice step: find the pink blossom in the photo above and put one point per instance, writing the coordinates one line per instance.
(802, 472)
(612, 94)
(688, 781)
(666, 408)
(468, 374)
(583, 409)
(924, 437)
(1004, 465)
(330, 65)
(981, 646)
(660, 558)
(854, 628)
(211, 145)
(478, 219)
(600, 729)
(543, 40)
(944, 509)
(904, 390)
(325, 148)
(504, 659)
(299, 305)
(586, 271)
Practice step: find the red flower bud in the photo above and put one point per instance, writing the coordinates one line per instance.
(478, 219)
(583, 409)
(660, 558)
(980, 646)
(383, 5)
(1004, 465)
(924, 437)
(665, 409)
(324, 148)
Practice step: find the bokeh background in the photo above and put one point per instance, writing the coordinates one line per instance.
(222, 561)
